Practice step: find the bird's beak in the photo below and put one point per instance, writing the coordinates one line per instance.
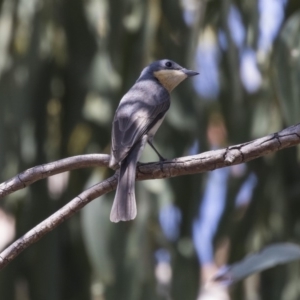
(189, 73)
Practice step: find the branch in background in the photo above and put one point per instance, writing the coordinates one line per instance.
(203, 162)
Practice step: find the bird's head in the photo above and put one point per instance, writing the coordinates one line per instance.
(167, 72)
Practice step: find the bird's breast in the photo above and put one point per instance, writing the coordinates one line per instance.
(153, 130)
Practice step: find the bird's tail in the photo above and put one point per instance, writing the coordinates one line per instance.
(124, 206)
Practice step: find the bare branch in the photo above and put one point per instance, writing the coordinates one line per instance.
(211, 160)
(57, 218)
(31, 175)
(176, 167)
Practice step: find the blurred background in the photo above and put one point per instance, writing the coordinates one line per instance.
(64, 66)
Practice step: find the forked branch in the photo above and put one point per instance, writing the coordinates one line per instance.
(203, 162)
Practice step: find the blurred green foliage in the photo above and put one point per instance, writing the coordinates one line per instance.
(64, 66)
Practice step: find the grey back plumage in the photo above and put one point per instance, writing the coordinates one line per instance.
(145, 103)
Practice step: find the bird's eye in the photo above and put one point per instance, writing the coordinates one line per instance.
(168, 64)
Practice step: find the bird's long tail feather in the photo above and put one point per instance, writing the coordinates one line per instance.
(124, 206)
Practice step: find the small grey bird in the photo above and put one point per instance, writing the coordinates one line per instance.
(138, 116)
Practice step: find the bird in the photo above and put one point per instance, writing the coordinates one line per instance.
(139, 115)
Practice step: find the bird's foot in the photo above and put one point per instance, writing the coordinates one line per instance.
(161, 162)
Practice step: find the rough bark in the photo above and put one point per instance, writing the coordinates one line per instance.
(203, 162)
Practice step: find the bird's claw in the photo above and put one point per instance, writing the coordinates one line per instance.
(161, 163)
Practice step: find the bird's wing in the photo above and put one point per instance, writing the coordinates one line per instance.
(134, 118)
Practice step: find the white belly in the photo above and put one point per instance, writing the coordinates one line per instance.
(153, 130)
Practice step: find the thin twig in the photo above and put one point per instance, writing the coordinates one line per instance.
(171, 168)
